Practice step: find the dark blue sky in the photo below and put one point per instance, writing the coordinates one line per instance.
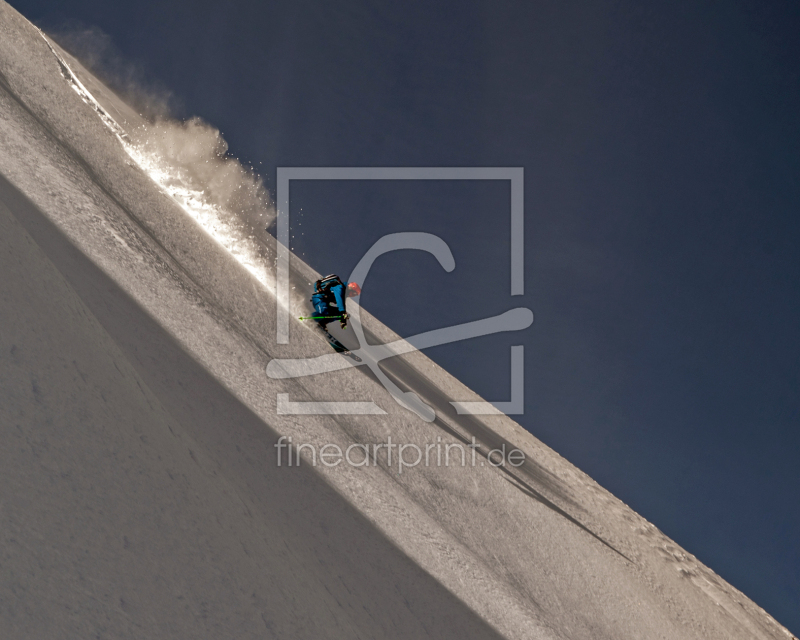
(662, 188)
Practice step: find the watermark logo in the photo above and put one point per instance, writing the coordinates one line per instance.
(515, 319)
(403, 456)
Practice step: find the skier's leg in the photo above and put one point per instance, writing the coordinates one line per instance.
(320, 307)
(322, 326)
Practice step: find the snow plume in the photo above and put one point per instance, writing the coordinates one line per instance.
(191, 158)
(189, 161)
(192, 151)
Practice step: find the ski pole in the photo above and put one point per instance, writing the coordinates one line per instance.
(319, 317)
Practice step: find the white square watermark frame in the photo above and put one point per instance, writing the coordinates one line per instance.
(515, 175)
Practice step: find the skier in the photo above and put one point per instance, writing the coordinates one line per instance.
(329, 300)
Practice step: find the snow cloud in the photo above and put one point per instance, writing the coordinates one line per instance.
(190, 156)
(193, 157)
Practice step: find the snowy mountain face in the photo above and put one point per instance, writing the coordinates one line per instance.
(146, 488)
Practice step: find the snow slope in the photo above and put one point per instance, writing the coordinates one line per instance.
(141, 495)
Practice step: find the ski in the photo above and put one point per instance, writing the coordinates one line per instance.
(340, 348)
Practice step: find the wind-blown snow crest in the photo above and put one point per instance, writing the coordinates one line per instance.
(189, 161)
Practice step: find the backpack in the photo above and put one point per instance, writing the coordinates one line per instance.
(324, 285)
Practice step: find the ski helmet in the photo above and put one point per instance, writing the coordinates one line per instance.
(353, 289)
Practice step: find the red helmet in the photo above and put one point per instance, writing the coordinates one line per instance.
(353, 289)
